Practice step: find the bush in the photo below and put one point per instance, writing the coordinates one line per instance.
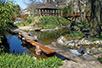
(96, 38)
(6, 15)
(27, 21)
(100, 59)
(25, 61)
(52, 22)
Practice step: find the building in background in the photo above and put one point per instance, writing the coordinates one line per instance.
(25, 12)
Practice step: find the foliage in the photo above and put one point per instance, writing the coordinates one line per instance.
(100, 59)
(67, 10)
(75, 33)
(81, 26)
(25, 21)
(25, 61)
(52, 22)
(97, 38)
(6, 15)
(55, 33)
(16, 9)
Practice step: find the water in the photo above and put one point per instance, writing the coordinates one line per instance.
(17, 46)
(49, 37)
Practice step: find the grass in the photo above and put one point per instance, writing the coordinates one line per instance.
(97, 38)
(52, 22)
(100, 59)
(26, 61)
(25, 21)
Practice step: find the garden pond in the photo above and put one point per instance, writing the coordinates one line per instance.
(16, 45)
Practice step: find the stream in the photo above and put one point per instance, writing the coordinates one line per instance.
(16, 45)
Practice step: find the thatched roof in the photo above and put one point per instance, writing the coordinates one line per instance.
(48, 6)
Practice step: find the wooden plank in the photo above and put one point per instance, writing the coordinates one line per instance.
(66, 54)
(43, 48)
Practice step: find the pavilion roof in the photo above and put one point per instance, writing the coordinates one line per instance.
(48, 6)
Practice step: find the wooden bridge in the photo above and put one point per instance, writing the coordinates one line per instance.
(75, 16)
(43, 48)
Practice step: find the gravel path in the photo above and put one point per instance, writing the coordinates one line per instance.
(25, 27)
(84, 64)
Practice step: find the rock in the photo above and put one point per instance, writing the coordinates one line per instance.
(67, 42)
(88, 50)
(93, 50)
(74, 51)
(60, 41)
(23, 38)
(35, 37)
(53, 44)
(56, 28)
(76, 45)
(81, 50)
(99, 49)
(76, 41)
(97, 42)
(71, 45)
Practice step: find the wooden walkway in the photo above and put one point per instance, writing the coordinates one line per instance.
(43, 48)
(51, 49)
(30, 40)
(65, 54)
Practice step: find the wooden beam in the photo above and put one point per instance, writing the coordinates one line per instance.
(43, 48)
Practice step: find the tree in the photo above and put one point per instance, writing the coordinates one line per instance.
(32, 6)
(16, 9)
(95, 22)
(6, 15)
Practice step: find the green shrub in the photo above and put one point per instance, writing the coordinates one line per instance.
(25, 21)
(52, 22)
(97, 38)
(100, 59)
(30, 19)
(75, 33)
(25, 61)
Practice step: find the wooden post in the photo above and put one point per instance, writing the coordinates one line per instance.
(49, 13)
(60, 12)
(41, 12)
(38, 13)
(38, 50)
(44, 12)
(19, 34)
(53, 12)
(57, 12)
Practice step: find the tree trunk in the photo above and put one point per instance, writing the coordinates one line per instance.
(95, 23)
(79, 5)
(86, 8)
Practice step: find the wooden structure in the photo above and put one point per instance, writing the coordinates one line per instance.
(49, 10)
(51, 49)
(42, 47)
(75, 16)
(30, 40)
